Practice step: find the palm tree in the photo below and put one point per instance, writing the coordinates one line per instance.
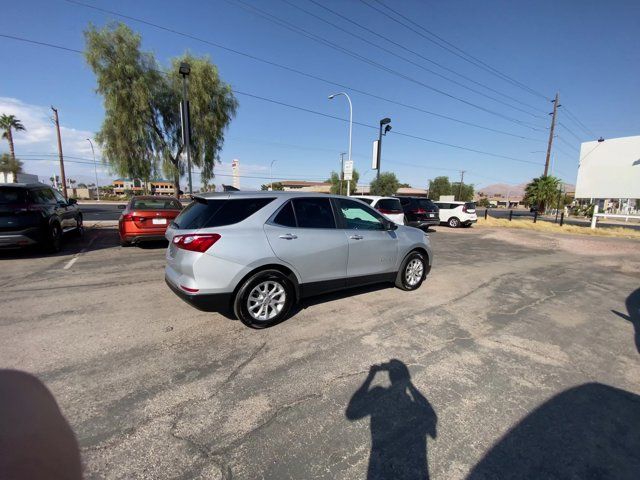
(10, 165)
(8, 123)
(542, 191)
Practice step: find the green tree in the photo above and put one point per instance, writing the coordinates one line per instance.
(8, 123)
(542, 192)
(142, 126)
(404, 185)
(334, 180)
(276, 186)
(463, 195)
(10, 165)
(483, 202)
(386, 185)
(439, 186)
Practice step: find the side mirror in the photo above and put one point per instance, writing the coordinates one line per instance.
(389, 225)
(121, 207)
(72, 201)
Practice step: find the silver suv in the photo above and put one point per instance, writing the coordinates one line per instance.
(258, 253)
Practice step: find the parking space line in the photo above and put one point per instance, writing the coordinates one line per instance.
(70, 263)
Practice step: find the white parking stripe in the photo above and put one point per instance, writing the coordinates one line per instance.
(70, 263)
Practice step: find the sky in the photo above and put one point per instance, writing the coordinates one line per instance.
(587, 50)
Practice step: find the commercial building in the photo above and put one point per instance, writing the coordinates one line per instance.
(139, 187)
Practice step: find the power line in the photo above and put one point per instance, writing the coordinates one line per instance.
(395, 132)
(570, 131)
(283, 67)
(568, 144)
(463, 55)
(383, 48)
(577, 121)
(305, 33)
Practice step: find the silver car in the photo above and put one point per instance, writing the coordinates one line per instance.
(258, 253)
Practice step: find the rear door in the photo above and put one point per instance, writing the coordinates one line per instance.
(303, 234)
(445, 211)
(373, 250)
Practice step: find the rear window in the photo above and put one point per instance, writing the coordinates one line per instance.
(368, 201)
(314, 213)
(12, 195)
(427, 204)
(217, 213)
(156, 204)
(390, 205)
(470, 205)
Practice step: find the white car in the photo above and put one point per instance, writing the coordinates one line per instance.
(457, 214)
(390, 207)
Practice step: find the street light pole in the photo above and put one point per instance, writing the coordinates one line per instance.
(331, 97)
(383, 122)
(184, 70)
(271, 174)
(95, 167)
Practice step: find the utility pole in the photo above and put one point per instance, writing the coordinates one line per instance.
(556, 104)
(185, 70)
(341, 171)
(460, 186)
(63, 179)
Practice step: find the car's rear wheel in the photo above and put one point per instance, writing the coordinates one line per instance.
(264, 299)
(453, 222)
(79, 231)
(413, 272)
(54, 238)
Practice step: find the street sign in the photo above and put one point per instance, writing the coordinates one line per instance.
(348, 170)
(375, 161)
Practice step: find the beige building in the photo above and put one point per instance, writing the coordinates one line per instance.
(140, 187)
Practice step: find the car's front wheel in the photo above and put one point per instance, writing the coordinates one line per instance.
(413, 272)
(54, 238)
(264, 299)
(453, 222)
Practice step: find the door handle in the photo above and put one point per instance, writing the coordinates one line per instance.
(356, 237)
(288, 236)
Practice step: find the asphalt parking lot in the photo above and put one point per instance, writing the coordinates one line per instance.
(517, 358)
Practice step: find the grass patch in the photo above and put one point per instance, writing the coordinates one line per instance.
(548, 227)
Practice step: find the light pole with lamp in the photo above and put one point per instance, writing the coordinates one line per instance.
(331, 97)
(271, 175)
(95, 167)
(185, 70)
(385, 121)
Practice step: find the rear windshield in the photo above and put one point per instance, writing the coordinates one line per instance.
(470, 205)
(427, 204)
(368, 201)
(389, 205)
(216, 213)
(12, 195)
(156, 204)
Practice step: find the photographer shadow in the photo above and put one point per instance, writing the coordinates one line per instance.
(401, 419)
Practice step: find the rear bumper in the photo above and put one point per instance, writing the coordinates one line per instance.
(209, 302)
(424, 223)
(20, 238)
(151, 237)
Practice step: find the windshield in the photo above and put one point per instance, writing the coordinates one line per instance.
(12, 195)
(202, 213)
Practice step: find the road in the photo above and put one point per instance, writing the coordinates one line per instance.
(104, 211)
(517, 356)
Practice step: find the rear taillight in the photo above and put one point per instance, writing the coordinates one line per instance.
(419, 210)
(127, 217)
(388, 212)
(464, 209)
(197, 242)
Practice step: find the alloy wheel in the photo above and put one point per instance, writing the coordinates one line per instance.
(414, 271)
(266, 300)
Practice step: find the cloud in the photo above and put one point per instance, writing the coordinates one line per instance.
(37, 147)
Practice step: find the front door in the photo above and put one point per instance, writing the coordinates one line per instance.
(373, 250)
(304, 235)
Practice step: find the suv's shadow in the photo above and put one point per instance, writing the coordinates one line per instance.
(330, 297)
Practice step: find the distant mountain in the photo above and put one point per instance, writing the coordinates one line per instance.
(505, 189)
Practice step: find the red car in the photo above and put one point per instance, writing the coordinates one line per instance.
(146, 218)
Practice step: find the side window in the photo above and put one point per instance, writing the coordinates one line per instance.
(314, 213)
(43, 196)
(285, 216)
(59, 197)
(359, 217)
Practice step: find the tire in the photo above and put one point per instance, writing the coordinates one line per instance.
(54, 238)
(252, 292)
(453, 222)
(413, 272)
(124, 243)
(79, 231)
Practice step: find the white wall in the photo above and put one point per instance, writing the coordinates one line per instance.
(22, 178)
(609, 169)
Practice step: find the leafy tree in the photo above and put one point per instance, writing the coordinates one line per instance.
(82, 185)
(542, 192)
(465, 194)
(439, 186)
(10, 165)
(7, 124)
(386, 185)
(276, 186)
(483, 202)
(334, 180)
(141, 128)
(404, 185)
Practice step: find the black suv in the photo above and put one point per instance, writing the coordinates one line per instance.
(35, 214)
(420, 212)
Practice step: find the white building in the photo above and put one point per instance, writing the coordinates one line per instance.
(22, 178)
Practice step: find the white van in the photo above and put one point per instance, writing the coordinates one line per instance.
(457, 214)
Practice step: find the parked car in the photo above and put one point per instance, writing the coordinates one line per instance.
(146, 218)
(419, 212)
(258, 253)
(456, 214)
(36, 214)
(388, 206)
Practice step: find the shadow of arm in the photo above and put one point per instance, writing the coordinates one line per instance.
(360, 403)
